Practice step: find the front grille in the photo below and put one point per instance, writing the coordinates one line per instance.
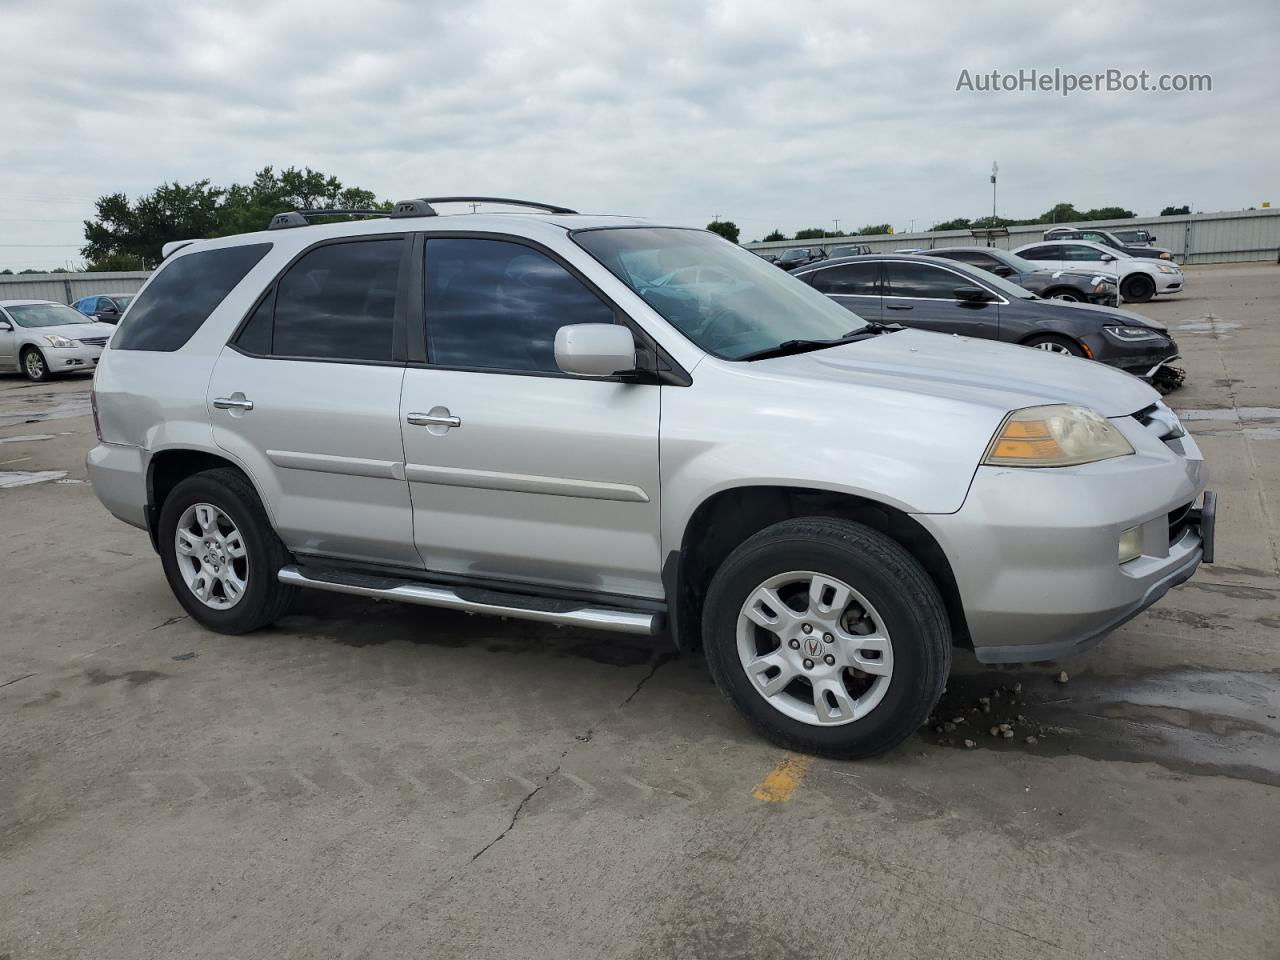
(94, 341)
(1179, 520)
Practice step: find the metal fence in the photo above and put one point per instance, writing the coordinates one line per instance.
(69, 287)
(1230, 237)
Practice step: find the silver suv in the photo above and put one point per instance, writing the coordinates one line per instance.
(552, 416)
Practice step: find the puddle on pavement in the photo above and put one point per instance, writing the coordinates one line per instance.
(37, 407)
(1210, 723)
(24, 478)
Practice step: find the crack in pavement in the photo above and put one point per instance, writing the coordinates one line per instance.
(519, 810)
(658, 662)
(25, 676)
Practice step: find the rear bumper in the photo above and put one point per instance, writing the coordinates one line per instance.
(119, 479)
(1034, 552)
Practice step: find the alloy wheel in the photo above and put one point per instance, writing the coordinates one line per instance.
(814, 648)
(1054, 347)
(35, 364)
(212, 556)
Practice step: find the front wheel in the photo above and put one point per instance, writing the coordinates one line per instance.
(34, 365)
(220, 553)
(828, 637)
(1068, 296)
(1138, 288)
(1056, 344)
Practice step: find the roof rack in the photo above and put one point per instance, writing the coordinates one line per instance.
(299, 218)
(421, 207)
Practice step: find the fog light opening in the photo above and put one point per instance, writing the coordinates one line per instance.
(1130, 547)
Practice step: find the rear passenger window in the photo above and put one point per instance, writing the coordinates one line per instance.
(182, 295)
(338, 302)
(854, 279)
(1042, 253)
(497, 305)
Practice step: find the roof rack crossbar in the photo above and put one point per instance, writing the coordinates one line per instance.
(299, 218)
(421, 207)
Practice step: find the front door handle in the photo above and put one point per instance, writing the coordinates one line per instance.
(899, 306)
(235, 402)
(438, 417)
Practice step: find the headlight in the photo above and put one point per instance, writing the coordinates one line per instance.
(57, 341)
(1057, 435)
(1166, 268)
(1132, 334)
(1165, 256)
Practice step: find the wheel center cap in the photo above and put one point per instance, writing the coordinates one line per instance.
(811, 645)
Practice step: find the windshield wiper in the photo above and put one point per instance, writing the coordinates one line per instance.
(791, 347)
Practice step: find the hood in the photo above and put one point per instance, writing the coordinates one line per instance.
(962, 369)
(74, 331)
(1111, 316)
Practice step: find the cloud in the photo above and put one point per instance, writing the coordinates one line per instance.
(768, 113)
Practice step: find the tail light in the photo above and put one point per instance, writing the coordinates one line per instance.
(93, 405)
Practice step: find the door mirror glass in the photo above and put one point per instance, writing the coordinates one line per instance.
(5, 325)
(595, 349)
(972, 294)
(1002, 271)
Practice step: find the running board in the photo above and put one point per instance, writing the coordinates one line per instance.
(489, 602)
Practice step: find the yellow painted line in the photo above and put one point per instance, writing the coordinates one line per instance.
(783, 779)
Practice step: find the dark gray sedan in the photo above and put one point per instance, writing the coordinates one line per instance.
(1076, 286)
(953, 297)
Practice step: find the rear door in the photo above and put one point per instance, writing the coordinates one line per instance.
(923, 295)
(1048, 256)
(307, 397)
(855, 286)
(519, 472)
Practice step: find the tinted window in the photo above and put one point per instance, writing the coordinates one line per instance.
(498, 305)
(983, 260)
(255, 338)
(1042, 253)
(338, 302)
(852, 279)
(922, 280)
(1077, 252)
(181, 297)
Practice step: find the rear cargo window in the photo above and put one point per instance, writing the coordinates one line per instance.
(180, 299)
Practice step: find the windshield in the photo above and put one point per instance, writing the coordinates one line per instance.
(46, 315)
(735, 304)
(122, 302)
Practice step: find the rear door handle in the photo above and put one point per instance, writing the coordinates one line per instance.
(438, 417)
(237, 402)
(899, 306)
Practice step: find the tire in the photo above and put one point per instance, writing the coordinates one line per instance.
(901, 603)
(1138, 288)
(35, 366)
(262, 598)
(1055, 344)
(1068, 296)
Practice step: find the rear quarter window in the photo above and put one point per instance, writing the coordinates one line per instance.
(174, 305)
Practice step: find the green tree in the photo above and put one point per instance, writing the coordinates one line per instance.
(175, 211)
(1176, 211)
(726, 228)
(1108, 213)
(959, 223)
(811, 233)
(775, 235)
(116, 262)
(1061, 213)
(872, 229)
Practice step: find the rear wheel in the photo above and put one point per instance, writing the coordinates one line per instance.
(828, 637)
(221, 555)
(34, 365)
(1138, 288)
(1056, 344)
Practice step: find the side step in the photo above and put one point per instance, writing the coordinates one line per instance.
(489, 602)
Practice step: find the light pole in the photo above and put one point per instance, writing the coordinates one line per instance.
(995, 169)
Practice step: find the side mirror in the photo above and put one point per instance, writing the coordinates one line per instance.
(971, 294)
(5, 325)
(1002, 271)
(595, 349)
(1106, 258)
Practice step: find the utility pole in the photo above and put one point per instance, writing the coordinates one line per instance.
(836, 230)
(912, 228)
(995, 169)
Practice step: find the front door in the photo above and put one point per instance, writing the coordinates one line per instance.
(307, 397)
(8, 337)
(517, 471)
(923, 295)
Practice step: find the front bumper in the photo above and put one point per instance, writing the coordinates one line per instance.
(71, 359)
(1141, 358)
(1034, 552)
(1169, 282)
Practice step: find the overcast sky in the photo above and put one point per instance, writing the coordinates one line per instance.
(772, 114)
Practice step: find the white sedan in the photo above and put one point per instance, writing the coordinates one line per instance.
(1140, 279)
(41, 338)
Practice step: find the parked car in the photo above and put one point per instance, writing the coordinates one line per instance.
(1140, 279)
(1072, 286)
(1108, 239)
(41, 338)
(767, 257)
(949, 297)
(849, 250)
(108, 309)
(1134, 238)
(514, 415)
(799, 257)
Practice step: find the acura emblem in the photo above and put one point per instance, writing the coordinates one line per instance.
(812, 646)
